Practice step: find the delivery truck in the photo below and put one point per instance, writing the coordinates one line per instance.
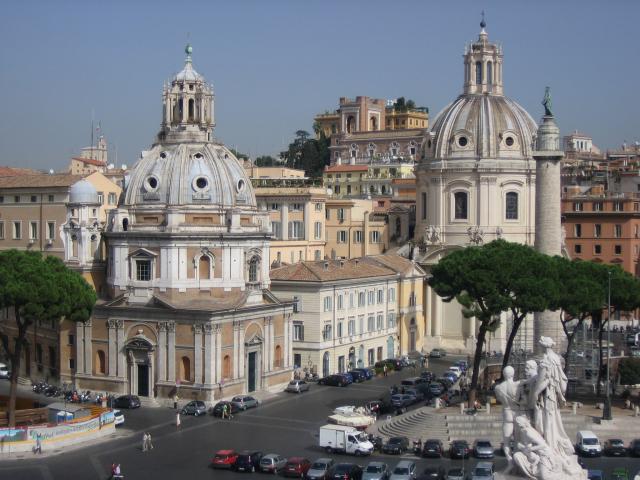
(344, 439)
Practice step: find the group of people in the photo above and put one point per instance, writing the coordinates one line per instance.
(146, 442)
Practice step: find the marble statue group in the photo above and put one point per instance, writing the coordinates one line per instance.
(534, 439)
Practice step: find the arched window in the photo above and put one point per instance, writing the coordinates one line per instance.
(180, 108)
(185, 369)
(351, 124)
(74, 246)
(191, 109)
(226, 367)
(460, 206)
(125, 224)
(373, 125)
(278, 357)
(511, 206)
(253, 270)
(101, 364)
(489, 73)
(478, 73)
(204, 268)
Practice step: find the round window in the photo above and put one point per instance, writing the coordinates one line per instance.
(462, 141)
(163, 154)
(240, 186)
(151, 183)
(201, 184)
(198, 155)
(509, 141)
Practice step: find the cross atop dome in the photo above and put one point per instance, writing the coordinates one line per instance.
(483, 24)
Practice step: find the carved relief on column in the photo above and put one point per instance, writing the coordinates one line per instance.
(162, 352)
(208, 354)
(80, 348)
(197, 353)
(88, 347)
(113, 355)
(171, 351)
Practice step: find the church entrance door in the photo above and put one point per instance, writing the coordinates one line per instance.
(251, 380)
(143, 380)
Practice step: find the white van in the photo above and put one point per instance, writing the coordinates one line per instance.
(588, 444)
(4, 371)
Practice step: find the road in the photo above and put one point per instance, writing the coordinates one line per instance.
(287, 424)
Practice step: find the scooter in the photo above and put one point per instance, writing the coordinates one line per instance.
(417, 447)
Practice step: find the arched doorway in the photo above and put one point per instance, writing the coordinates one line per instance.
(253, 361)
(390, 348)
(140, 366)
(412, 335)
(325, 364)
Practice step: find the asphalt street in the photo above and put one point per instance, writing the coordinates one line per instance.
(287, 424)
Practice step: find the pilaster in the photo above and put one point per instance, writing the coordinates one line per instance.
(171, 352)
(197, 353)
(88, 350)
(208, 354)
(80, 348)
(120, 353)
(217, 335)
(112, 325)
(162, 352)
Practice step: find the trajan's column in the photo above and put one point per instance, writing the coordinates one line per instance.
(548, 240)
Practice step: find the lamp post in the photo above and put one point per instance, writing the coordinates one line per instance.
(606, 411)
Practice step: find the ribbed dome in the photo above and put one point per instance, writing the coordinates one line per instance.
(481, 127)
(82, 192)
(189, 174)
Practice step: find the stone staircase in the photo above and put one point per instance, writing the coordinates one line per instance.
(424, 422)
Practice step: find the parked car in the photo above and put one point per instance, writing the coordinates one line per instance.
(414, 392)
(118, 418)
(195, 408)
(346, 471)
(452, 377)
(436, 388)
(634, 447)
(433, 472)
(587, 444)
(412, 382)
(614, 447)
(368, 373)
(396, 445)
(619, 473)
(432, 448)
(595, 475)
(459, 449)
(402, 401)
(347, 376)
(296, 467)
(248, 461)
(427, 375)
(379, 407)
(438, 353)
(320, 469)
(333, 380)
(376, 471)
(224, 459)
(245, 401)
(457, 371)
(216, 411)
(482, 449)
(272, 463)
(4, 371)
(127, 401)
(297, 386)
(357, 375)
(404, 470)
(456, 473)
(462, 364)
(483, 471)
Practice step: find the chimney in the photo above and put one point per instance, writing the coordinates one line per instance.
(326, 266)
(341, 263)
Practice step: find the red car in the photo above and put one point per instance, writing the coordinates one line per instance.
(224, 459)
(296, 467)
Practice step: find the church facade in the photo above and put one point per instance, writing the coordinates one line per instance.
(476, 183)
(185, 305)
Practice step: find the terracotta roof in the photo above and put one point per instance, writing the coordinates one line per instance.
(90, 161)
(39, 181)
(13, 171)
(331, 270)
(346, 168)
(397, 263)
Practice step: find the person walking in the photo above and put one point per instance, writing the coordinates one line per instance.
(149, 444)
(224, 411)
(144, 442)
(178, 426)
(38, 446)
(384, 369)
(175, 401)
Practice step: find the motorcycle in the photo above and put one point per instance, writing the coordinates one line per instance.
(376, 441)
(417, 447)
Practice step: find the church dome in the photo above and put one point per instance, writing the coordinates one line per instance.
(189, 174)
(188, 73)
(82, 192)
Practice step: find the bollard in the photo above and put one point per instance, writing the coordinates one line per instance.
(637, 411)
(488, 408)
(437, 403)
(461, 408)
(574, 408)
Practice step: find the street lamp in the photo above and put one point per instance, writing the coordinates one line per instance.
(606, 411)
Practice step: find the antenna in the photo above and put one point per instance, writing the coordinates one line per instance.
(92, 115)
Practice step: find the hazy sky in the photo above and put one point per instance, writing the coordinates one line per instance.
(274, 64)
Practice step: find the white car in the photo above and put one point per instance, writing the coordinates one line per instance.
(456, 370)
(118, 417)
(4, 371)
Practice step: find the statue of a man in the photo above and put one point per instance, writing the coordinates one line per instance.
(526, 397)
(547, 102)
(507, 395)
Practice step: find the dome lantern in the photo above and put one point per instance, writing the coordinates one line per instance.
(483, 65)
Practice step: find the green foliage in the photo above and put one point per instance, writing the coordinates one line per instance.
(238, 155)
(266, 161)
(629, 371)
(308, 154)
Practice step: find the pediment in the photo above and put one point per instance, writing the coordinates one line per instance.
(143, 252)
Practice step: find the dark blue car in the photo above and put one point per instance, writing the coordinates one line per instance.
(347, 376)
(358, 376)
(368, 374)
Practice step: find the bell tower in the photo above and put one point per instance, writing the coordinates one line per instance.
(483, 65)
(187, 107)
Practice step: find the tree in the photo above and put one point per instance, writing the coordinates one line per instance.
(629, 371)
(471, 276)
(310, 155)
(266, 161)
(35, 288)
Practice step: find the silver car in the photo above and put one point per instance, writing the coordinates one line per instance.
(483, 471)
(319, 469)
(456, 474)
(244, 401)
(297, 386)
(376, 471)
(272, 463)
(482, 449)
(404, 470)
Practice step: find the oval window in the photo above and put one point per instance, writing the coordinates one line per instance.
(462, 141)
(201, 182)
(198, 155)
(151, 183)
(429, 144)
(163, 154)
(509, 141)
(240, 186)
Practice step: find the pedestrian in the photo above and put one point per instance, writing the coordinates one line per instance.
(178, 427)
(38, 447)
(175, 401)
(224, 410)
(384, 369)
(149, 444)
(144, 442)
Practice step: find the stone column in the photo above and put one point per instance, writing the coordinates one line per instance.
(162, 352)
(151, 380)
(208, 354)
(236, 356)
(284, 216)
(171, 352)
(437, 315)
(241, 350)
(120, 352)
(268, 344)
(286, 357)
(88, 349)
(113, 351)
(197, 353)
(217, 331)
(80, 347)
(548, 156)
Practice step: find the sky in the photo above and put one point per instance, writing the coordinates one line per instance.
(275, 64)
